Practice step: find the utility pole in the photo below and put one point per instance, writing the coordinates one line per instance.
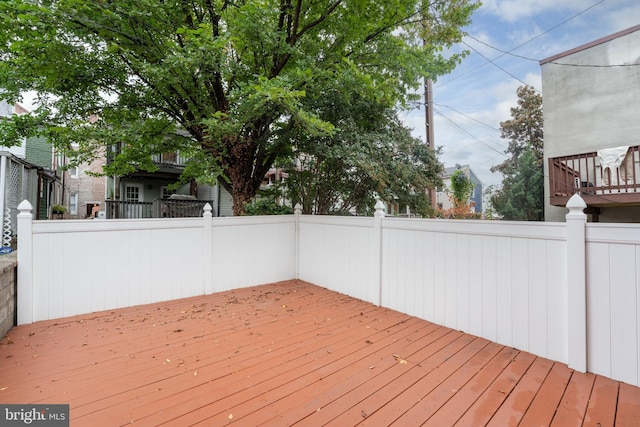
(428, 119)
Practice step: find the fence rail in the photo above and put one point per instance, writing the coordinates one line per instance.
(567, 291)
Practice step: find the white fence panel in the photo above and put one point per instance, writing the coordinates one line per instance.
(250, 251)
(337, 253)
(613, 301)
(501, 281)
(84, 266)
(80, 266)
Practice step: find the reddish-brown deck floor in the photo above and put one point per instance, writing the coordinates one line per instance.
(293, 353)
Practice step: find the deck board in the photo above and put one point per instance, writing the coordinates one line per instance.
(292, 353)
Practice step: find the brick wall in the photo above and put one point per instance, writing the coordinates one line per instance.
(8, 264)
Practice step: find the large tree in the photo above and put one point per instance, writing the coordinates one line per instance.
(522, 194)
(220, 80)
(370, 156)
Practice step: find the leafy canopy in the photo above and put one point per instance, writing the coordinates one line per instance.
(370, 156)
(522, 194)
(221, 81)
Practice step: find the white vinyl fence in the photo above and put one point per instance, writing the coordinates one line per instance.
(80, 266)
(566, 291)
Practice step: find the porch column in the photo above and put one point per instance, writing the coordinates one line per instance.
(576, 284)
(25, 263)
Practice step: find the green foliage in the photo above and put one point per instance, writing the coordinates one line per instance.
(58, 209)
(369, 156)
(461, 188)
(229, 79)
(522, 194)
(267, 206)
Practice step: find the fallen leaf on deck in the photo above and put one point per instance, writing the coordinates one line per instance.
(400, 359)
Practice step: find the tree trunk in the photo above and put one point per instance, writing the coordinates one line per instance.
(244, 176)
(241, 196)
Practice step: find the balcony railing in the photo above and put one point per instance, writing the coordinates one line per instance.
(169, 159)
(601, 181)
(128, 210)
(159, 208)
(178, 208)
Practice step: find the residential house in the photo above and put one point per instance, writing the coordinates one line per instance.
(83, 191)
(143, 194)
(591, 97)
(26, 172)
(443, 195)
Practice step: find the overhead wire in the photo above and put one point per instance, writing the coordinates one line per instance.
(566, 64)
(602, 197)
(510, 52)
(488, 61)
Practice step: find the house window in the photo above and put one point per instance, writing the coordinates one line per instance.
(74, 171)
(132, 193)
(73, 204)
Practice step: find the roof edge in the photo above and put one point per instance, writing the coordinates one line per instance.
(591, 44)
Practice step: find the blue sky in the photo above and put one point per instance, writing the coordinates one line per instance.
(470, 103)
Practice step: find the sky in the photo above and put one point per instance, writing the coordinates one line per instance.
(470, 103)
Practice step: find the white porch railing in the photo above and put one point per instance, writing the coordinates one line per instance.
(566, 291)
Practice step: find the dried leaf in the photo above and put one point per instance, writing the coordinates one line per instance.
(400, 359)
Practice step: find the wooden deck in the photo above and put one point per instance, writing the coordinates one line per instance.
(292, 353)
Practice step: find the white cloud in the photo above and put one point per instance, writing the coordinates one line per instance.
(516, 10)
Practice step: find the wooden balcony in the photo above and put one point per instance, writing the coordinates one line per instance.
(600, 184)
(170, 164)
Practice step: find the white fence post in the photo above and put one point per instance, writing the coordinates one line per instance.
(297, 212)
(377, 247)
(207, 250)
(25, 263)
(576, 284)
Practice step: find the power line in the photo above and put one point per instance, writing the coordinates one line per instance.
(470, 134)
(488, 61)
(467, 116)
(566, 64)
(602, 197)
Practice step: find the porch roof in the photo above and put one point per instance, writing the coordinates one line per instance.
(292, 353)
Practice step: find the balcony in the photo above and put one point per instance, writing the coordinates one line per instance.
(600, 182)
(170, 164)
